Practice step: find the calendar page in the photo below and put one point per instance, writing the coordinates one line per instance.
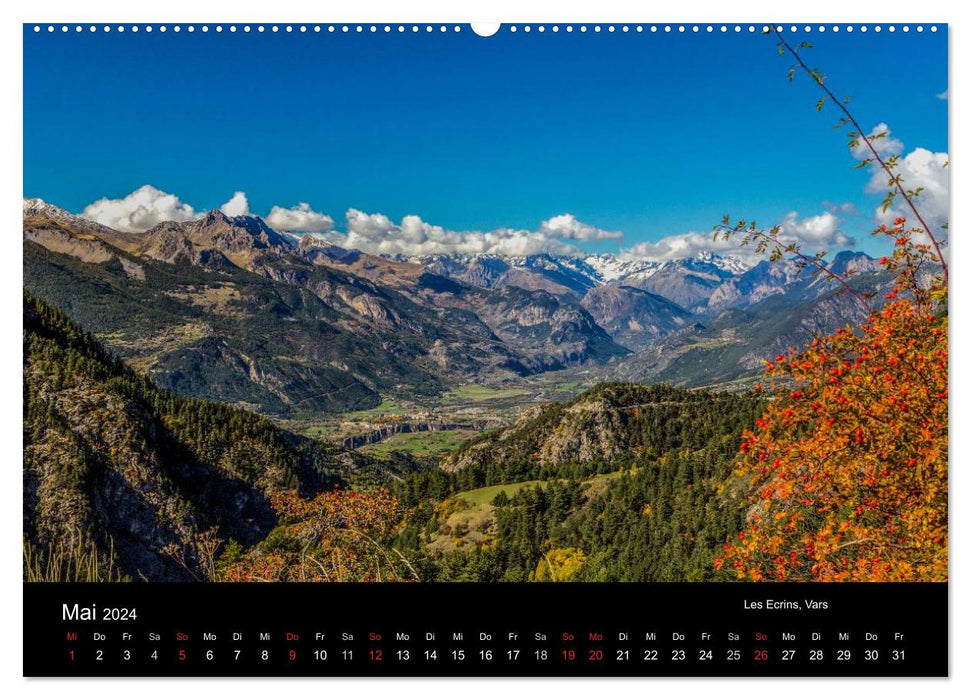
(485, 350)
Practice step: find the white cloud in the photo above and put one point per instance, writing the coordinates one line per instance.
(299, 218)
(567, 226)
(844, 208)
(139, 211)
(371, 233)
(378, 234)
(684, 245)
(369, 226)
(813, 233)
(920, 168)
(942, 95)
(885, 145)
(237, 205)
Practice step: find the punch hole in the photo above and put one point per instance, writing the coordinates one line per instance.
(485, 29)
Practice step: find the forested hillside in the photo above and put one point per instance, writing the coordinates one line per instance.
(625, 483)
(124, 480)
(599, 427)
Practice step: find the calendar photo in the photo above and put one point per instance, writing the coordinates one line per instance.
(454, 322)
(540, 310)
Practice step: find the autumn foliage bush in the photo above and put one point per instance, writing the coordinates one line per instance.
(336, 536)
(848, 465)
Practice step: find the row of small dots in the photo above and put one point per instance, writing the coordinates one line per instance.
(512, 28)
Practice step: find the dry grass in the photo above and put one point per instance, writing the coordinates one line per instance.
(74, 561)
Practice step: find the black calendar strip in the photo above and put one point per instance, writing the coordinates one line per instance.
(475, 630)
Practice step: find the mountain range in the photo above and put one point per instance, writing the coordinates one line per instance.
(227, 308)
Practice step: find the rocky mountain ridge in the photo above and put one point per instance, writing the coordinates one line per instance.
(227, 308)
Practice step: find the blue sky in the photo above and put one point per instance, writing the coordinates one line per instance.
(653, 135)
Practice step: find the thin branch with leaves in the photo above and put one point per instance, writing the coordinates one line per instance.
(895, 182)
(766, 238)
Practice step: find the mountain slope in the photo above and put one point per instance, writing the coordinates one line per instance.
(231, 336)
(766, 279)
(143, 480)
(634, 317)
(688, 283)
(225, 308)
(734, 345)
(561, 276)
(552, 334)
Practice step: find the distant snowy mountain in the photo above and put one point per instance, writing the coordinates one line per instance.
(560, 275)
(610, 268)
(565, 275)
(704, 285)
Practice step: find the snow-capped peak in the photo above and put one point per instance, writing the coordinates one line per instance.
(36, 205)
(611, 268)
(728, 263)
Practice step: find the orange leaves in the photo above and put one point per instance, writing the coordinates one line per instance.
(334, 536)
(375, 512)
(857, 442)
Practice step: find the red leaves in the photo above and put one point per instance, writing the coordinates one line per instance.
(857, 437)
